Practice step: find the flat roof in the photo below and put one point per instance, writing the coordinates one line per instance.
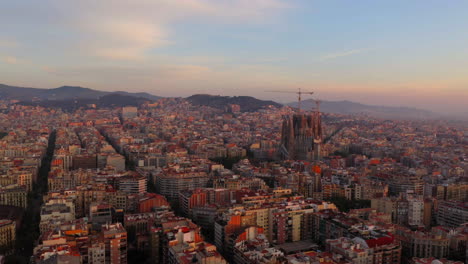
(298, 246)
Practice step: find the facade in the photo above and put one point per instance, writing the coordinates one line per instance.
(400, 184)
(405, 210)
(226, 227)
(189, 199)
(132, 184)
(84, 161)
(301, 136)
(457, 192)
(13, 195)
(97, 253)
(421, 244)
(205, 217)
(7, 236)
(116, 160)
(415, 211)
(100, 214)
(115, 240)
(129, 112)
(171, 184)
(151, 201)
(56, 212)
(452, 213)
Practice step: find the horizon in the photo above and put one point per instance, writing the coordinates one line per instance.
(391, 54)
(276, 101)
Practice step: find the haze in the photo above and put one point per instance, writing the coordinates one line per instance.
(411, 53)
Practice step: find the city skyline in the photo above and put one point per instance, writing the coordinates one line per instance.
(395, 53)
(233, 132)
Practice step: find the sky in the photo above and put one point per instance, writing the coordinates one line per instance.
(398, 52)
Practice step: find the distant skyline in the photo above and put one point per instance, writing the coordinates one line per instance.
(398, 53)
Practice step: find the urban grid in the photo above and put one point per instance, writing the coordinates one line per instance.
(174, 182)
(233, 132)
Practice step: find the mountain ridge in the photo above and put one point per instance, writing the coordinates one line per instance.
(65, 92)
(349, 107)
(246, 103)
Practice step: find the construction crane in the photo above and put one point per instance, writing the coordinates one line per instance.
(299, 95)
(317, 106)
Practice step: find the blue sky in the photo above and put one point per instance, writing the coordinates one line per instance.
(412, 53)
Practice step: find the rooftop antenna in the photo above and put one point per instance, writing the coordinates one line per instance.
(299, 96)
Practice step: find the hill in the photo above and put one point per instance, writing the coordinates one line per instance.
(109, 100)
(247, 103)
(348, 107)
(61, 93)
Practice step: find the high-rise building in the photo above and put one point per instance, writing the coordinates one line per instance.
(192, 198)
(170, 184)
(132, 184)
(422, 244)
(452, 213)
(408, 210)
(301, 137)
(457, 191)
(100, 214)
(7, 236)
(13, 195)
(115, 239)
(97, 253)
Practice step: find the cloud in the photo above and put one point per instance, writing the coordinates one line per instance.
(128, 30)
(11, 60)
(48, 69)
(332, 56)
(243, 11)
(8, 43)
(113, 44)
(184, 71)
(175, 72)
(126, 40)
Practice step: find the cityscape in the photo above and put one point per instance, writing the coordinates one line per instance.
(170, 181)
(233, 132)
